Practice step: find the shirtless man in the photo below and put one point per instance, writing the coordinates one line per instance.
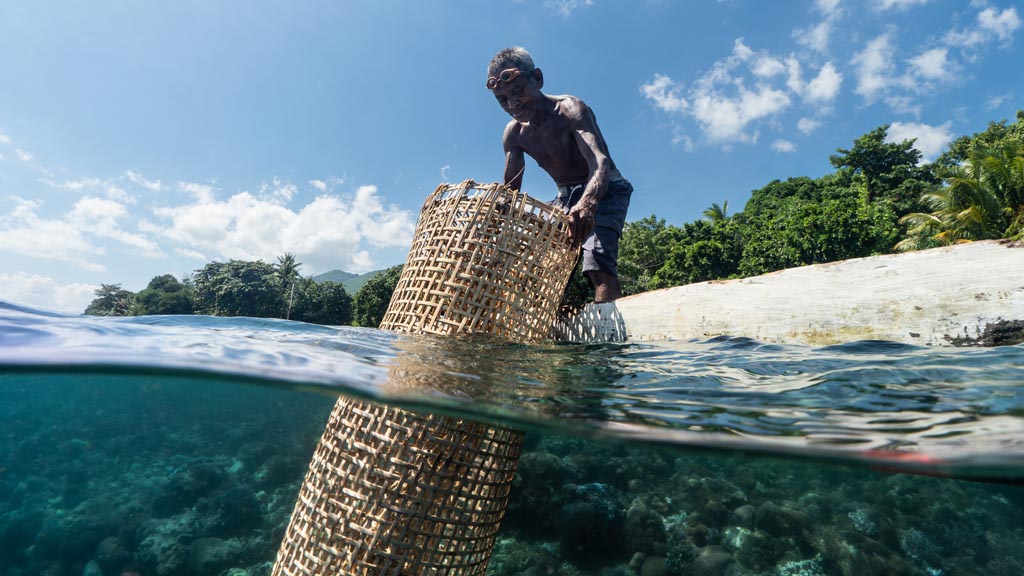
(561, 134)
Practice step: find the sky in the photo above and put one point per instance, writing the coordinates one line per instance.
(148, 138)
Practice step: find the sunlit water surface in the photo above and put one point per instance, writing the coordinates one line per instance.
(175, 445)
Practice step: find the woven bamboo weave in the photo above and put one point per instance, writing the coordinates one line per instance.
(390, 492)
(485, 259)
(395, 493)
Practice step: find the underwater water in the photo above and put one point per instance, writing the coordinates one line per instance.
(177, 445)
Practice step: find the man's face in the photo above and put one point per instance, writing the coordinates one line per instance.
(518, 95)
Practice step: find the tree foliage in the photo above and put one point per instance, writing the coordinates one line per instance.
(371, 301)
(111, 300)
(164, 295)
(322, 303)
(238, 288)
(983, 199)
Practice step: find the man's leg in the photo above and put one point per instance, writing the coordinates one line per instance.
(606, 286)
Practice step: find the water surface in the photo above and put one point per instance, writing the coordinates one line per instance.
(175, 445)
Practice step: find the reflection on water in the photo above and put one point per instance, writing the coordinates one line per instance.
(176, 445)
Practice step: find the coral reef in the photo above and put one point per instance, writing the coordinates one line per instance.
(148, 478)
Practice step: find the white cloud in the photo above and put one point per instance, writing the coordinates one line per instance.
(883, 5)
(5, 139)
(998, 100)
(329, 232)
(665, 94)
(784, 146)
(320, 185)
(567, 7)
(815, 37)
(874, 68)
(828, 7)
(201, 192)
(725, 118)
(46, 293)
(23, 155)
(808, 125)
(825, 86)
(929, 140)
(23, 232)
(933, 64)
(137, 178)
(278, 192)
(101, 217)
(990, 21)
(444, 172)
(766, 67)
(1002, 24)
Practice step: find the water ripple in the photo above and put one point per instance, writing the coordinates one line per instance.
(947, 411)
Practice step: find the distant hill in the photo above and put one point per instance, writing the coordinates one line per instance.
(335, 276)
(352, 282)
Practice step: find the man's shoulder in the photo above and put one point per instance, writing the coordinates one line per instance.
(571, 107)
(512, 130)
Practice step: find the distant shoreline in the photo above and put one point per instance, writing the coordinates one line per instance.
(966, 294)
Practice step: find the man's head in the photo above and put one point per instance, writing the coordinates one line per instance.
(515, 82)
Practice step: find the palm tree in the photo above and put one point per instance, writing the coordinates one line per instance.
(717, 213)
(288, 272)
(983, 199)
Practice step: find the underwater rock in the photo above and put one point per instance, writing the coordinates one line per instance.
(710, 561)
(808, 567)
(591, 526)
(744, 516)
(92, 569)
(644, 530)
(537, 494)
(111, 555)
(280, 468)
(164, 549)
(234, 511)
(188, 484)
(757, 550)
(681, 553)
(213, 555)
(512, 557)
(784, 522)
(654, 566)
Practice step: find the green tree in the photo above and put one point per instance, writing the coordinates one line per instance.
(701, 251)
(238, 288)
(890, 171)
(111, 300)
(322, 303)
(287, 269)
(643, 249)
(717, 213)
(164, 295)
(372, 300)
(960, 150)
(983, 199)
(804, 233)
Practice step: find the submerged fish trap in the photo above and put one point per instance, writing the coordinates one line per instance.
(391, 492)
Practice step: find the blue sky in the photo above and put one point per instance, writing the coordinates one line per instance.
(144, 138)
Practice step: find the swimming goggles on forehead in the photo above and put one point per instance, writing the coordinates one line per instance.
(507, 75)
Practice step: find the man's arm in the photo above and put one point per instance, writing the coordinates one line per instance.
(515, 162)
(594, 149)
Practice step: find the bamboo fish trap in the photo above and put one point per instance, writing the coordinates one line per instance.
(390, 492)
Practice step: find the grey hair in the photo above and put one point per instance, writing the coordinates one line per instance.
(514, 57)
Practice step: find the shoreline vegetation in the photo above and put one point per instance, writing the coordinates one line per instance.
(881, 199)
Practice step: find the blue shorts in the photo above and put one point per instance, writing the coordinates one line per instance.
(601, 248)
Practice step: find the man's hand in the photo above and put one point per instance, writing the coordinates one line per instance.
(581, 221)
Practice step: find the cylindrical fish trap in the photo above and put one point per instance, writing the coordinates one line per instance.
(391, 492)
